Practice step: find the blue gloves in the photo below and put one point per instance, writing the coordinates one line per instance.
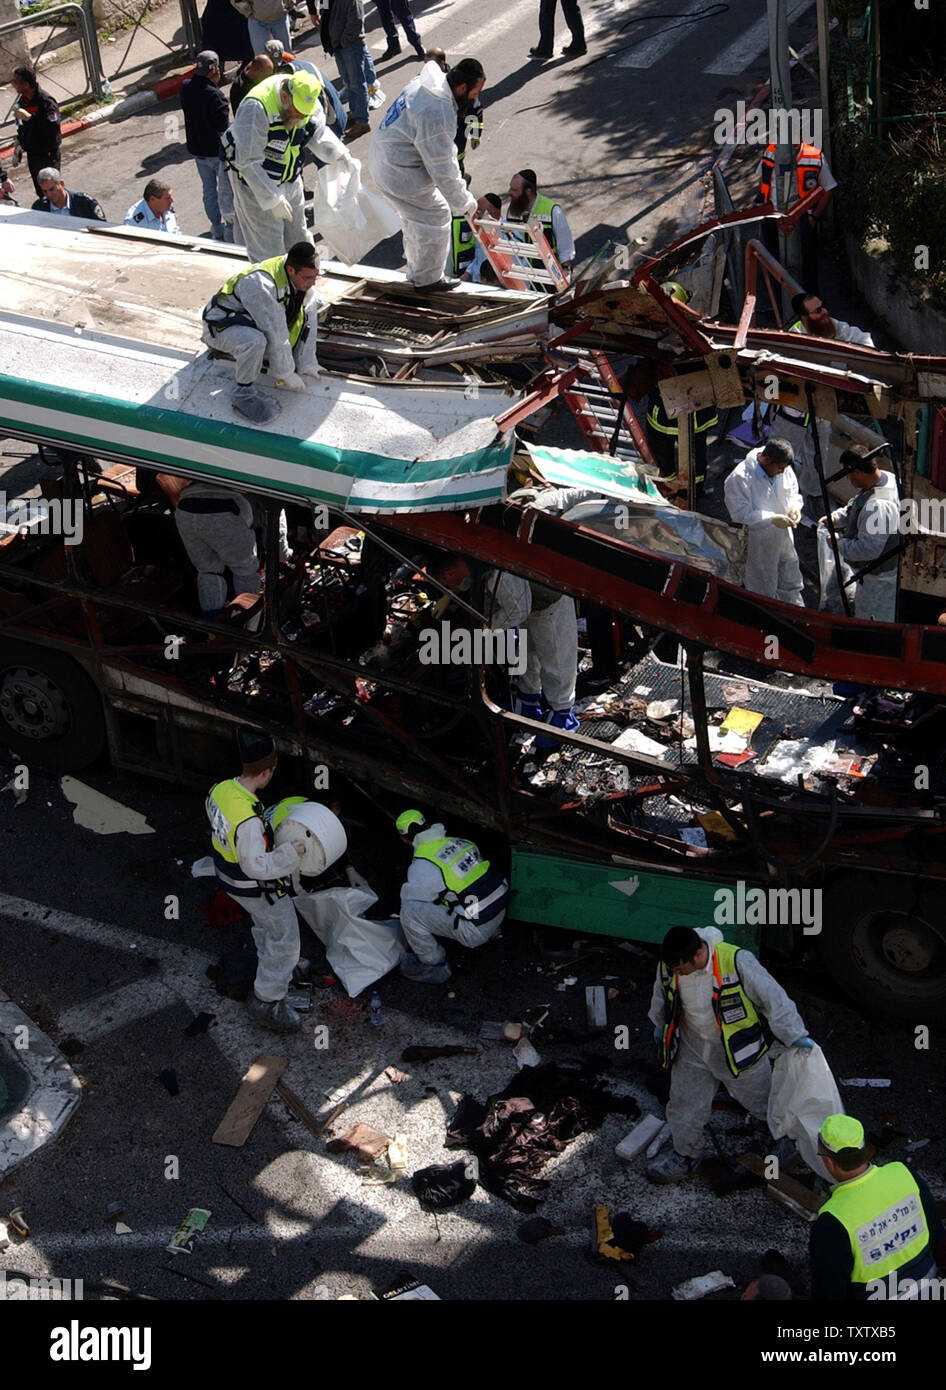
(805, 1042)
(658, 1035)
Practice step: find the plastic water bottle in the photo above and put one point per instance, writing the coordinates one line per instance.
(376, 1019)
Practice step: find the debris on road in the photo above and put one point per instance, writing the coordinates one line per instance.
(702, 1285)
(395, 1076)
(406, 1293)
(19, 793)
(185, 1237)
(596, 1008)
(99, 813)
(786, 1190)
(640, 1136)
(121, 1229)
(199, 1025)
(915, 1144)
(114, 1211)
(873, 1081)
(525, 1054)
(604, 1244)
(445, 1185)
(301, 1111)
(538, 1228)
(250, 1100)
(369, 1144)
(169, 1081)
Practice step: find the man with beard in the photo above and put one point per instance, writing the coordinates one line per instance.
(413, 162)
(815, 320)
(526, 202)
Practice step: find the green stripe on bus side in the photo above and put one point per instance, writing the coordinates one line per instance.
(468, 496)
(216, 434)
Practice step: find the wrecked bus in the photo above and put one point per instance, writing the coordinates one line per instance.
(716, 764)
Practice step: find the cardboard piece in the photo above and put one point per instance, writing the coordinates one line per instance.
(250, 1100)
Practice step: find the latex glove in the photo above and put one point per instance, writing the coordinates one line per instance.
(782, 522)
(804, 1042)
(794, 515)
(293, 382)
(822, 521)
(282, 209)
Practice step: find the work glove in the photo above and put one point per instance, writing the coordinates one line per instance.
(804, 1042)
(782, 522)
(293, 382)
(282, 209)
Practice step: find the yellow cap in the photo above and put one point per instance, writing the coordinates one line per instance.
(305, 88)
(841, 1132)
(406, 819)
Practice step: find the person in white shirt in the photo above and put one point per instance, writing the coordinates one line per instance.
(762, 494)
(868, 527)
(155, 211)
(814, 319)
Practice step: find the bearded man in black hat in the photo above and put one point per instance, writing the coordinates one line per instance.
(257, 876)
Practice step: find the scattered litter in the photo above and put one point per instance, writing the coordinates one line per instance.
(716, 824)
(736, 692)
(525, 1054)
(538, 1228)
(19, 793)
(419, 1053)
(369, 1144)
(633, 950)
(694, 835)
(596, 1008)
(412, 1292)
(702, 1285)
(785, 1189)
(121, 1229)
(511, 1032)
(4, 1237)
(642, 689)
(397, 1152)
(99, 813)
(640, 1136)
(199, 1025)
(873, 1081)
(915, 1144)
(444, 1185)
(633, 741)
(113, 1211)
(169, 1081)
(18, 1223)
(491, 1031)
(301, 1111)
(570, 980)
(741, 721)
(71, 1047)
(377, 1174)
(603, 1242)
(660, 709)
(395, 1076)
(721, 741)
(185, 1237)
(250, 1100)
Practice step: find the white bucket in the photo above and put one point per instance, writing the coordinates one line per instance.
(321, 831)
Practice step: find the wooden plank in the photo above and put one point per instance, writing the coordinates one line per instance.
(785, 1189)
(250, 1100)
(301, 1111)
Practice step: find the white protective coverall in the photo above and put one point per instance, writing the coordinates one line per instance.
(275, 924)
(413, 162)
(423, 918)
(256, 295)
(701, 1063)
(550, 634)
(753, 498)
(865, 525)
(218, 541)
(257, 196)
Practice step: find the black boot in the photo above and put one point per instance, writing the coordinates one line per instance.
(392, 50)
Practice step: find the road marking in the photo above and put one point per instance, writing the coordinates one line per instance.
(751, 42)
(106, 1012)
(646, 54)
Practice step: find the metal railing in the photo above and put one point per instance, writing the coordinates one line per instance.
(81, 18)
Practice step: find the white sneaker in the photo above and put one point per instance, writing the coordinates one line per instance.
(375, 98)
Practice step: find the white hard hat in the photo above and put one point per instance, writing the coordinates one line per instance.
(321, 832)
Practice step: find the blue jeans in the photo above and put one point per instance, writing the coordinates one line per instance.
(353, 64)
(217, 194)
(278, 29)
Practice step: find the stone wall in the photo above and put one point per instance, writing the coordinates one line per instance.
(915, 325)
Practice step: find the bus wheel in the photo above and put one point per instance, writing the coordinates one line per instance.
(50, 713)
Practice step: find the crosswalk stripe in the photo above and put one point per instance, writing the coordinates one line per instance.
(750, 43)
(648, 53)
